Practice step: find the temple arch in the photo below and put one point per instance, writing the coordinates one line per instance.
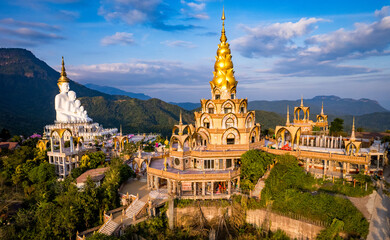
(206, 121)
(250, 120)
(210, 107)
(229, 134)
(254, 135)
(228, 107)
(229, 120)
(243, 107)
(204, 135)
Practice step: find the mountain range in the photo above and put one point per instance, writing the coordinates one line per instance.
(116, 91)
(28, 87)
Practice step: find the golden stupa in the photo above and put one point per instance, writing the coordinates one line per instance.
(63, 78)
(223, 69)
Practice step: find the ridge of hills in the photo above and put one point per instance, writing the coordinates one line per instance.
(116, 91)
(28, 87)
(333, 105)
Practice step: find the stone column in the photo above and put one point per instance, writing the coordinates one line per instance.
(203, 188)
(238, 182)
(348, 166)
(194, 189)
(312, 142)
(229, 186)
(344, 169)
(174, 185)
(212, 189)
(307, 164)
(156, 182)
(169, 186)
(377, 162)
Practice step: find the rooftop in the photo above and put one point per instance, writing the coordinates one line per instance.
(95, 174)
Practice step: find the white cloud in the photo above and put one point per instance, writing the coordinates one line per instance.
(275, 39)
(385, 10)
(196, 6)
(179, 43)
(122, 38)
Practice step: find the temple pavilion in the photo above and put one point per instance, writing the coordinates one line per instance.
(204, 159)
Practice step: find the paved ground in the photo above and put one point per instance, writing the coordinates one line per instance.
(380, 220)
(133, 186)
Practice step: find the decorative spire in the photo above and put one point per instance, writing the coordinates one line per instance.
(223, 79)
(121, 130)
(181, 121)
(288, 116)
(301, 100)
(63, 77)
(322, 108)
(353, 138)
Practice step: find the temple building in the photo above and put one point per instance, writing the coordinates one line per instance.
(322, 153)
(204, 159)
(72, 130)
(302, 120)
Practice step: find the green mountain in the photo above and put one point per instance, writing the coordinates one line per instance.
(116, 91)
(28, 87)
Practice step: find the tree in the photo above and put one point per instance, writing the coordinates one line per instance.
(336, 126)
(254, 163)
(5, 134)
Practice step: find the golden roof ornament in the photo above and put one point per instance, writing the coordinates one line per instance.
(288, 116)
(63, 78)
(223, 68)
(353, 138)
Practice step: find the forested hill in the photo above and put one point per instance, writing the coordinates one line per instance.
(28, 87)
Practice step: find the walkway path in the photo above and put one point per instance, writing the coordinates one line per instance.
(380, 220)
(260, 185)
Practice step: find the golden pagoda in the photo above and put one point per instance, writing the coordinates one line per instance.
(223, 84)
(63, 78)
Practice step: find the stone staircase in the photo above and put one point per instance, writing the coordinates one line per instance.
(109, 227)
(135, 207)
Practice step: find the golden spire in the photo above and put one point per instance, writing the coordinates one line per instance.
(180, 122)
(353, 130)
(288, 116)
(223, 79)
(301, 100)
(322, 108)
(120, 130)
(63, 77)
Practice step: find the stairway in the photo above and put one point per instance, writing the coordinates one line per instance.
(134, 208)
(109, 227)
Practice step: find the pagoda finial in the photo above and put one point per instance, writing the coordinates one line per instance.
(322, 108)
(301, 100)
(353, 138)
(288, 116)
(181, 120)
(121, 129)
(63, 78)
(223, 36)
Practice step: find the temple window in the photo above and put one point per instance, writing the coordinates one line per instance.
(232, 96)
(211, 110)
(206, 123)
(253, 139)
(220, 163)
(228, 163)
(249, 123)
(242, 109)
(228, 108)
(209, 164)
(230, 139)
(229, 123)
(217, 96)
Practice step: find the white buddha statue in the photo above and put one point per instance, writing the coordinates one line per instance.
(68, 109)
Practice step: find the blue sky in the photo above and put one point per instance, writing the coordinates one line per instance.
(165, 49)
